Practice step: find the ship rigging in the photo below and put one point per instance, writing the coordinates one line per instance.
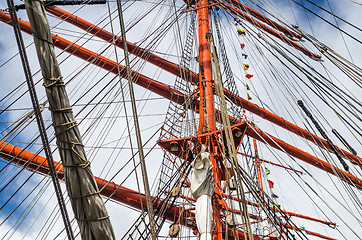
(246, 125)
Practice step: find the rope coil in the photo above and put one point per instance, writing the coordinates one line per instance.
(56, 81)
(96, 219)
(85, 195)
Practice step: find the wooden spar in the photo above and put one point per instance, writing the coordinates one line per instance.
(177, 97)
(263, 18)
(88, 208)
(189, 76)
(258, 24)
(116, 192)
(168, 92)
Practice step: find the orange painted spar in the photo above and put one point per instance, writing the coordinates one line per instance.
(109, 189)
(272, 163)
(308, 232)
(229, 209)
(175, 96)
(276, 143)
(286, 212)
(279, 165)
(105, 63)
(263, 18)
(267, 29)
(188, 76)
(257, 205)
(132, 48)
(118, 193)
(192, 77)
(70, 47)
(267, 115)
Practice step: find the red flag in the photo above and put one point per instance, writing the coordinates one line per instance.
(242, 45)
(271, 184)
(248, 76)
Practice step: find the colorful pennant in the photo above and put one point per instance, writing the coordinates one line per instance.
(249, 98)
(248, 76)
(241, 33)
(271, 184)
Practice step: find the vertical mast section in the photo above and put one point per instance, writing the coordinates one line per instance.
(207, 107)
(257, 163)
(265, 227)
(208, 122)
(88, 207)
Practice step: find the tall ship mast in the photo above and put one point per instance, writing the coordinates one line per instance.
(202, 119)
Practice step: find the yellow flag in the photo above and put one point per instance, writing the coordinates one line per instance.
(240, 32)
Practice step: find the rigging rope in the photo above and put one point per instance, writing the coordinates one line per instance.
(40, 122)
(137, 128)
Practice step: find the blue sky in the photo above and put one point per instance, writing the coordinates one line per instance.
(301, 20)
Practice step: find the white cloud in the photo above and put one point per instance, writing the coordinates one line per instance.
(122, 218)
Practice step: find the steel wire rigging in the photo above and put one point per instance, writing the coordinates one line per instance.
(284, 85)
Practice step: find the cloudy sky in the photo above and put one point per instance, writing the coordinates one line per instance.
(104, 127)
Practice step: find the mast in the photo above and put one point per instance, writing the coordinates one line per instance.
(265, 227)
(170, 93)
(118, 193)
(203, 144)
(257, 163)
(88, 207)
(207, 107)
(187, 75)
